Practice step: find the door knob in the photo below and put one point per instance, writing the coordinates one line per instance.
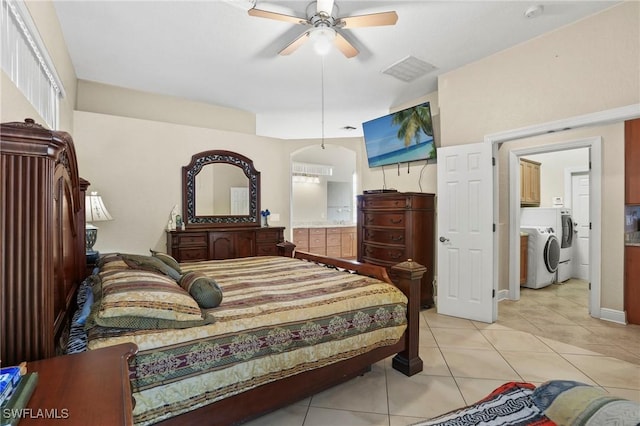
(443, 239)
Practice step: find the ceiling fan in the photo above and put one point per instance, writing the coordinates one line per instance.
(325, 26)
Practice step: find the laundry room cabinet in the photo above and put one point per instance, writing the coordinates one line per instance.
(632, 225)
(529, 183)
(631, 160)
(632, 283)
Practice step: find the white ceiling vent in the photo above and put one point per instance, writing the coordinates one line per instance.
(409, 68)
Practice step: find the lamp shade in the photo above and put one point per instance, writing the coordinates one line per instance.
(94, 208)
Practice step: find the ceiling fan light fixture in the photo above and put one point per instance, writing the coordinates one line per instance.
(322, 38)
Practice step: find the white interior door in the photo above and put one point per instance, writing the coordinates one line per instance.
(466, 237)
(580, 215)
(239, 200)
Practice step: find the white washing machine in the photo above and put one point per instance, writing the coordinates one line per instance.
(558, 218)
(543, 256)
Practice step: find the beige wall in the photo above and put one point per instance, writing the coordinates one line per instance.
(136, 165)
(112, 100)
(593, 65)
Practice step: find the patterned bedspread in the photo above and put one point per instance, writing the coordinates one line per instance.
(279, 316)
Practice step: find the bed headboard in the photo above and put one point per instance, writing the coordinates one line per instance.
(42, 224)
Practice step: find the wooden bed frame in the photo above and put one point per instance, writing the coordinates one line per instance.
(67, 248)
(253, 403)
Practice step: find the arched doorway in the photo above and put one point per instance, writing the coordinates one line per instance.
(323, 191)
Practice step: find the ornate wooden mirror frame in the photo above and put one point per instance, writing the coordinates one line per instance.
(189, 173)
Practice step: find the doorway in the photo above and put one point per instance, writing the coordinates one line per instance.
(558, 177)
(506, 223)
(593, 145)
(323, 186)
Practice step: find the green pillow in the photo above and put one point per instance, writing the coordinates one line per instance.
(168, 259)
(150, 263)
(203, 289)
(142, 299)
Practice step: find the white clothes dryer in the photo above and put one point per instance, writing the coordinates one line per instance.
(543, 256)
(562, 223)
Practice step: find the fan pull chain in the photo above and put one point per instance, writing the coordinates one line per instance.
(322, 97)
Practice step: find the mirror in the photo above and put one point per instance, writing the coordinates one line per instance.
(220, 188)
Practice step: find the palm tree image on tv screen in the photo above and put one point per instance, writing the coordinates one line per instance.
(400, 137)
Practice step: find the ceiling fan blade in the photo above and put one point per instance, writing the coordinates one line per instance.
(277, 16)
(295, 44)
(325, 6)
(344, 46)
(372, 20)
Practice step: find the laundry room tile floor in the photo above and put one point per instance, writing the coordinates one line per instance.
(547, 334)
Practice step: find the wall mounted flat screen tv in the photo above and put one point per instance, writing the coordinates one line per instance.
(400, 137)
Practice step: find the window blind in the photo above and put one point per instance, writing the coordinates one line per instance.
(27, 63)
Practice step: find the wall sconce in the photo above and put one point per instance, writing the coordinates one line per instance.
(95, 211)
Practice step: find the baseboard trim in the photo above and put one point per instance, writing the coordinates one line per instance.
(613, 316)
(503, 295)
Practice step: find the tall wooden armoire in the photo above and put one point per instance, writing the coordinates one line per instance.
(42, 230)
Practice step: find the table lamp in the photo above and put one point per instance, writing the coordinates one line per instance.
(95, 211)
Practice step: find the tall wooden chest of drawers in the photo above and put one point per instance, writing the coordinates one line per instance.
(396, 226)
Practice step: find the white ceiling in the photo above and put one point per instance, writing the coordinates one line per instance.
(214, 52)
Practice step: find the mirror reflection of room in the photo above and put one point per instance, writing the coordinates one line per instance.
(323, 200)
(222, 189)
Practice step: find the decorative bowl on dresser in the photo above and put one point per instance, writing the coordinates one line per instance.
(396, 226)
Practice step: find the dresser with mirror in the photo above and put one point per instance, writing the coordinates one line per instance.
(221, 211)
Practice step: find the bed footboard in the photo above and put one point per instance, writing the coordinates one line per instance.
(252, 403)
(407, 277)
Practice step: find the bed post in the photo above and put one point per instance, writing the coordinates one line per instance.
(285, 248)
(407, 277)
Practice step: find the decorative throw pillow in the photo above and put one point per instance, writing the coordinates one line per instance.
(140, 299)
(150, 263)
(110, 262)
(168, 259)
(203, 289)
(508, 404)
(567, 402)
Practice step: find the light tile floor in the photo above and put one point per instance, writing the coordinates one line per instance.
(548, 334)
